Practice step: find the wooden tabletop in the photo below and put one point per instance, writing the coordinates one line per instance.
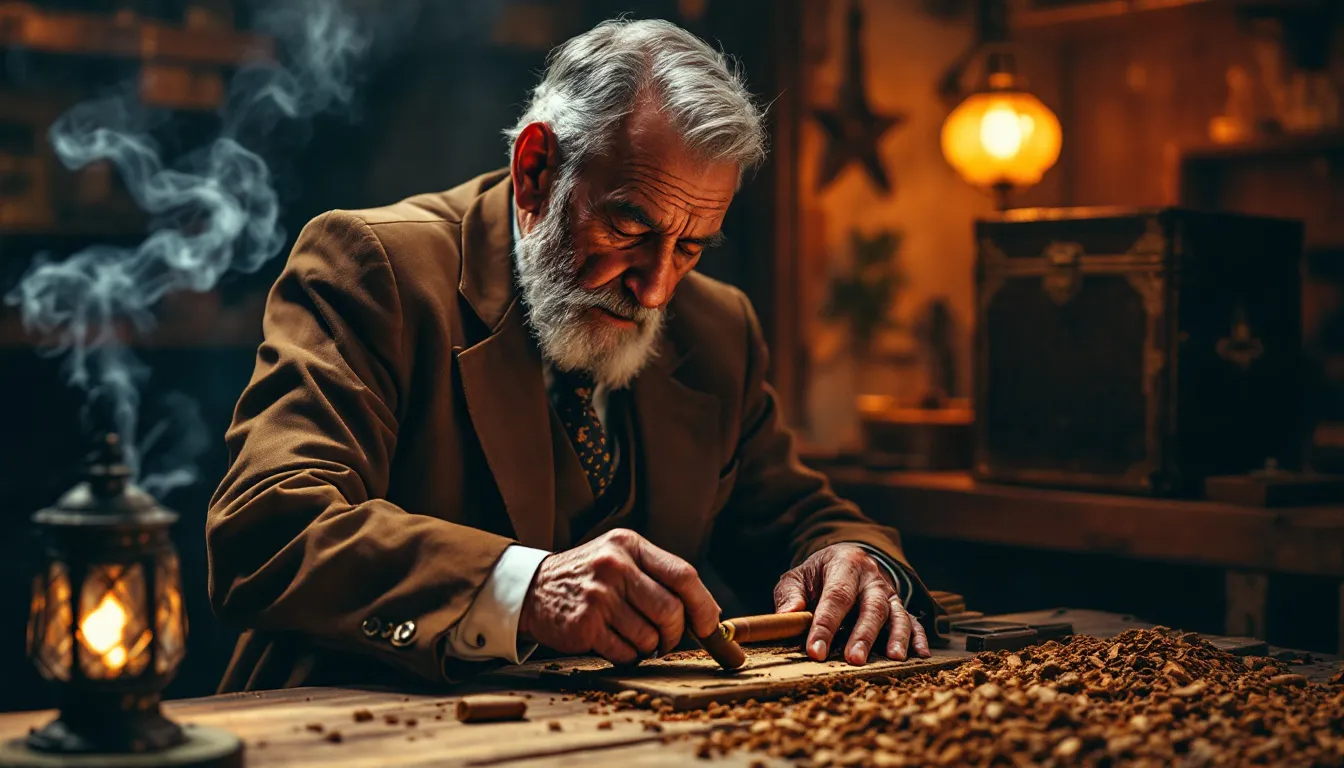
(950, 505)
(292, 727)
(280, 728)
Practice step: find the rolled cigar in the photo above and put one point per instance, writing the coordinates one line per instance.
(723, 650)
(487, 708)
(775, 626)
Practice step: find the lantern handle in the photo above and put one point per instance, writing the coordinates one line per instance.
(106, 467)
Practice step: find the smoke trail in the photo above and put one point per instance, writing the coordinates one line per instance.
(213, 211)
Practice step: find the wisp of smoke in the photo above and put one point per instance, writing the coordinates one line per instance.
(213, 211)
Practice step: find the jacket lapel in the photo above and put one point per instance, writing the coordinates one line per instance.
(506, 399)
(487, 250)
(677, 432)
(501, 376)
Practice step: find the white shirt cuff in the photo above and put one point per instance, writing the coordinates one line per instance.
(489, 630)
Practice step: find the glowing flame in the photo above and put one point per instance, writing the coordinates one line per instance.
(1003, 131)
(102, 630)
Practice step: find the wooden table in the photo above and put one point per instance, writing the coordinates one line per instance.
(1248, 542)
(278, 728)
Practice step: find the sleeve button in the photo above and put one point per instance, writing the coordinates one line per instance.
(371, 627)
(404, 634)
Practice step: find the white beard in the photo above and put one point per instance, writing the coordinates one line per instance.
(558, 306)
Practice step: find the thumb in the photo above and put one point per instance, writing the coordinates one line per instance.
(790, 593)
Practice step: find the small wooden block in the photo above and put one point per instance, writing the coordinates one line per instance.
(1008, 640)
(943, 624)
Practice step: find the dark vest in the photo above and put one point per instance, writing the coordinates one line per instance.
(578, 517)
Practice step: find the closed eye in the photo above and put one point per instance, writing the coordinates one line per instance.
(627, 216)
(695, 245)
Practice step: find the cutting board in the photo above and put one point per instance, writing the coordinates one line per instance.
(690, 680)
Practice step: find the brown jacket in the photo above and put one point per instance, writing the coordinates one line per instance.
(395, 439)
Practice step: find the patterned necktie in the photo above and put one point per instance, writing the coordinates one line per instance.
(572, 395)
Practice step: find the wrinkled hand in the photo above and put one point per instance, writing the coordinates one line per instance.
(618, 596)
(837, 578)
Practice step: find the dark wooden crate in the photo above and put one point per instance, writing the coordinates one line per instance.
(1136, 350)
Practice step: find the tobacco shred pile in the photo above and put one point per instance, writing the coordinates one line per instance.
(1146, 697)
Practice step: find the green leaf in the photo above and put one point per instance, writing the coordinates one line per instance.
(865, 296)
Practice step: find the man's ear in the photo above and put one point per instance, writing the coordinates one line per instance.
(536, 157)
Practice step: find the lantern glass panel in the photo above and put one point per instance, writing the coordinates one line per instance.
(114, 631)
(50, 643)
(1002, 137)
(170, 623)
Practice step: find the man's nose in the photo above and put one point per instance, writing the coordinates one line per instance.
(654, 279)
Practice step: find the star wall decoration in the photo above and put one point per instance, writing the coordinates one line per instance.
(853, 130)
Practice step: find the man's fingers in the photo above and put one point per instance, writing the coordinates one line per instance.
(680, 577)
(838, 592)
(635, 629)
(662, 608)
(790, 593)
(899, 639)
(873, 611)
(919, 639)
(611, 647)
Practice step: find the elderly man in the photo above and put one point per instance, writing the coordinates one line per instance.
(510, 415)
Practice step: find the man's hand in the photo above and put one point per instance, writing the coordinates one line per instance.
(618, 596)
(835, 579)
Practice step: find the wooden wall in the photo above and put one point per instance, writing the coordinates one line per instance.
(907, 50)
(1135, 94)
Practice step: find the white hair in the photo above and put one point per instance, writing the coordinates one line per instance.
(594, 80)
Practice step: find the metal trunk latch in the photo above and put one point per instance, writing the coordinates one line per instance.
(1240, 348)
(1063, 265)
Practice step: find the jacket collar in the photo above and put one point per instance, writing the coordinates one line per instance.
(487, 251)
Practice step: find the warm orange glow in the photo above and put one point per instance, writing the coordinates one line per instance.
(102, 630)
(115, 633)
(1002, 137)
(49, 624)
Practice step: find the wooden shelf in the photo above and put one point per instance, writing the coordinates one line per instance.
(1114, 16)
(1287, 176)
(185, 320)
(952, 506)
(1286, 145)
(86, 232)
(22, 25)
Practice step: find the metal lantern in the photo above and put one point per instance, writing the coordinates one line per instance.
(107, 625)
(1002, 137)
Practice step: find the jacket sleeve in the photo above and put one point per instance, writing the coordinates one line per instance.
(300, 537)
(780, 505)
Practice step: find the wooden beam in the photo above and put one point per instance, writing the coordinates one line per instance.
(22, 25)
(786, 110)
(951, 506)
(1104, 17)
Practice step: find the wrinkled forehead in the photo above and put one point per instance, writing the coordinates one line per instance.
(661, 189)
(649, 164)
